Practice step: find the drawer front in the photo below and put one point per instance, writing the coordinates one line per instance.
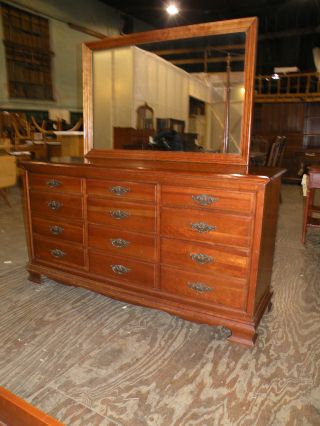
(58, 252)
(206, 226)
(204, 258)
(58, 230)
(121, 190)
(212, 199)
(203, 288)
(119, 242)
(54, 183)
(121, 269)
(120, 215)
(56, 205)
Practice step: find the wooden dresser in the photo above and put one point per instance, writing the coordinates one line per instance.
(191, 233)
(196, 241)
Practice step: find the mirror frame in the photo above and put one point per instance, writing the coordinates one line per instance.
(246, 25)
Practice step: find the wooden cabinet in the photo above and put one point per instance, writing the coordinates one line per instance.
(198, 244)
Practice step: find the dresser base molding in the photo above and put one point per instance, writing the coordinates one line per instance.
(242, 332)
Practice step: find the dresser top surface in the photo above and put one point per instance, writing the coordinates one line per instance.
(162, 166)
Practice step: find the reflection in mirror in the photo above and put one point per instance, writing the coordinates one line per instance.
(193, 90)
(145, 117)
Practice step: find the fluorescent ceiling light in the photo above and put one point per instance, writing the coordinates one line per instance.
(172, 9)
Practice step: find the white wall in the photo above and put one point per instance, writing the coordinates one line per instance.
(164, 87)
(66, 45)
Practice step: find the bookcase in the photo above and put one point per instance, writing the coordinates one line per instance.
(28, 55)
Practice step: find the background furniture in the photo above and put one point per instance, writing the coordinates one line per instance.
(298, 121)
(145, 117)
(310, 209)
(71, 142)
(130, 138)
(276, 152)
(170, 124)
(8, 175)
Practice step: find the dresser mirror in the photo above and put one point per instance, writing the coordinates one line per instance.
(196, 80)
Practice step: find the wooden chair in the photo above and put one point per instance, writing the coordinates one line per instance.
(310, 209)
(21, 130)
(259, 148)
(8, 175)
(276, 152)
(51, 144)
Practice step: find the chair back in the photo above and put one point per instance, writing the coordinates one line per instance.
(276, 152)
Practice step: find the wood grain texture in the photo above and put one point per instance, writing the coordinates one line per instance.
(14, 411)
(141, 246)
(136, 217)
(130, 191)
(229, 201)
(89, 360)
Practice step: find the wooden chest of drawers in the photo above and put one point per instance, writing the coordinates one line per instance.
(197, 245)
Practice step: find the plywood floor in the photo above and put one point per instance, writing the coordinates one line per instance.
(89, 360)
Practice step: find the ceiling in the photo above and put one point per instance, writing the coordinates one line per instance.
(288, 29)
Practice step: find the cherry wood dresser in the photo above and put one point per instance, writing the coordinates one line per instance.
(196, 241)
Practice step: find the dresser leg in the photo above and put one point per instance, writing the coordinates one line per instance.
(34, 277)
(245, 336)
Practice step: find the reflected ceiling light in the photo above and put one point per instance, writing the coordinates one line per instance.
(172, 9)
(275, 76)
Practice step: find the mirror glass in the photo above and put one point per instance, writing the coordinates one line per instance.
(176, 95)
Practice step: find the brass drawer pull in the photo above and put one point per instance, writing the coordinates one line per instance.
(57, 253)
(204, 199)
(201, 258)
(119, 214)
(120, 269)
(199, 287)
(119, 190)
(119, 243)
(54, 183)
(54, 205)
(202, 227)
(56, 230)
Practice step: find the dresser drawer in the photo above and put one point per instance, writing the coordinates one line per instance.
(54, 183)
(58, 230)
(58, 252)
(204, 258)
(121, 190)
(56, 205)
(121, 269)
(119, 242)
(203, 288)
(121, 215)
(206, 226)
(212, 199)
